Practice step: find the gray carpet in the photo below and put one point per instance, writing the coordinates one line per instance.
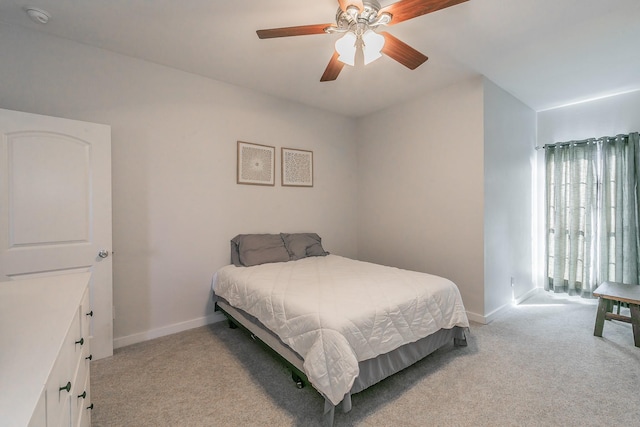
(538, 364)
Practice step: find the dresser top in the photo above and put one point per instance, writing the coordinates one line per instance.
(35, 316)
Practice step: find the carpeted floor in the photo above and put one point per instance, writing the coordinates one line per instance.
(538, 364)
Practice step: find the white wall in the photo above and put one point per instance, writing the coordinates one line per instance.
(176, 203)
(446, 186)
(403, 187)
(603, 117)
(421, 187)
(509, 159)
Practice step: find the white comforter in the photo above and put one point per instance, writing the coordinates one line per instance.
(335, 311)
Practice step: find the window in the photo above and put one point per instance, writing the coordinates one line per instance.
(592, 213)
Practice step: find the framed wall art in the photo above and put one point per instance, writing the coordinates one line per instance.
(297, 168)
(256, 164)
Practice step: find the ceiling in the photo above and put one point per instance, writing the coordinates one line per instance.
(547, 53)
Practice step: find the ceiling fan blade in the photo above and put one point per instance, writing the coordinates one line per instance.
(408, 9)
(302, 30)
(398, 50)
(333, 69)
(346, 3)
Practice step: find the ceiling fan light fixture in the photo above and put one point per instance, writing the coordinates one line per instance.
(358, 21)
(383, 19)
(353, 12)
(372, 44)
(346, 48)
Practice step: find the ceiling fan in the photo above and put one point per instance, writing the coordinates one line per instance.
(357, 20)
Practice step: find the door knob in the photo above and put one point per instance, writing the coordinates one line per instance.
(103, 253)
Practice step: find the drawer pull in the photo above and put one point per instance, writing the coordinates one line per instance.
(80, 341)
(67, 387)
(90, 406)
(89, 357)
(90, 313)
(83, 395)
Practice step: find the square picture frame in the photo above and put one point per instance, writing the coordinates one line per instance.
(297, 167)
(256, 164)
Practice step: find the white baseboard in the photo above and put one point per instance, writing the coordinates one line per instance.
(488, 318)
(528, 295)
(217, 317)
(475, 317)
(167, 330)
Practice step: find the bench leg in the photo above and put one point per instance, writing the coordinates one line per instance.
(603, 308)
(635, 323)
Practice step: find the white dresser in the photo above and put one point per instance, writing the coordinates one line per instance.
(45, 351)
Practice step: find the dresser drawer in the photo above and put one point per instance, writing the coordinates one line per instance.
(79, 391)
(86, 315)
(58, 398)
(81, 407)
(60, 383)
(80, 401)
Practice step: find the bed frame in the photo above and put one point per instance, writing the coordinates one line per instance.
(371, 370)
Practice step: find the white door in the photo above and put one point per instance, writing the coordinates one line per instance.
(55, 207)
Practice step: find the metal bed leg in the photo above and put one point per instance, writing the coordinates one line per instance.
(297, 380)
(460, 338)
(460, 342)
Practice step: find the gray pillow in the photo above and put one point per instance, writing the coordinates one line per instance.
(255, 249)
(301, 245)
(235, 252)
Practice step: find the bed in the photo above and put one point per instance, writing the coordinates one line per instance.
(341, 325)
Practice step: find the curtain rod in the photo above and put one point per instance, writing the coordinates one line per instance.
(582, 141)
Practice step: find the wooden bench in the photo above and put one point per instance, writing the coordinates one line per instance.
(608, 292)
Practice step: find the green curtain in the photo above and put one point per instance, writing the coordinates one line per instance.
(592, 200)
(619, 215)
(571, 217)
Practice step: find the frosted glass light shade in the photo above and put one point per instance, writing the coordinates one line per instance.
(372, 45)
(346, 47)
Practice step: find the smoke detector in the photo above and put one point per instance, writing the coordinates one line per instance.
(38, 15)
